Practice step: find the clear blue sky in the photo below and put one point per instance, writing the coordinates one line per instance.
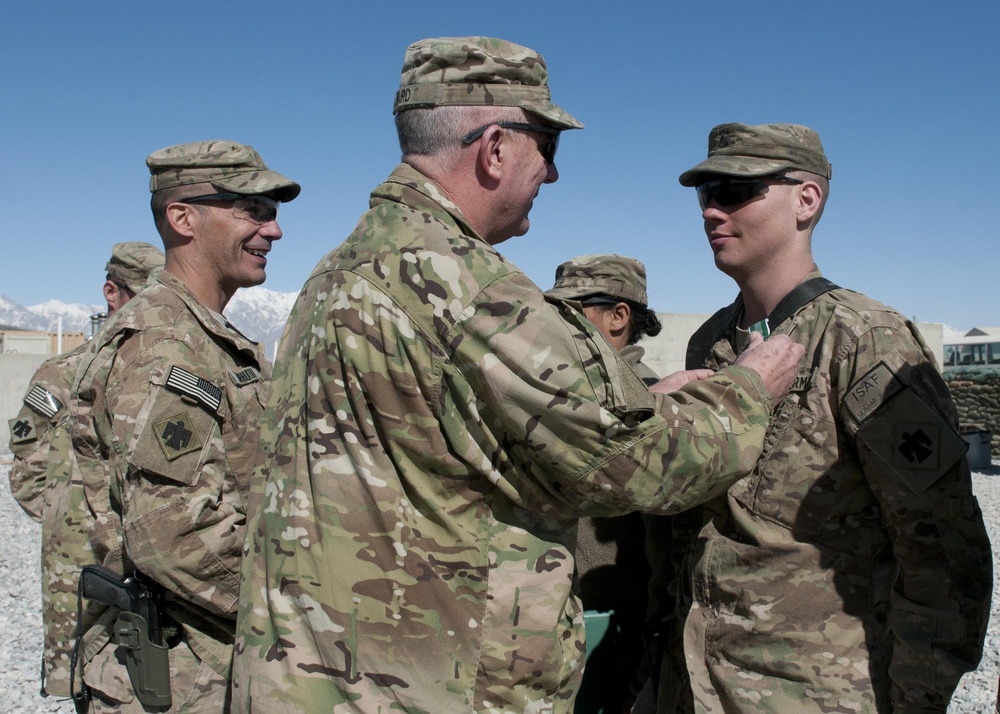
(905, 95)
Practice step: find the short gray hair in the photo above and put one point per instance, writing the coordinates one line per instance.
(426, 131)
(159, 201)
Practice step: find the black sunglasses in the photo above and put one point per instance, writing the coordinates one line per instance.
(548, 150)
(732, 191)
(254, 208)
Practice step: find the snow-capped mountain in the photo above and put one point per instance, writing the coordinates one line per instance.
(75, 318)
(258, 313)
(45, 317)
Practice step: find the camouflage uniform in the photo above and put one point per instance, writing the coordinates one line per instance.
(850, 571)
(177, 395)
(612, 571)
(612, 276)
(437, 428)
(633, 354)
(855, 553)
(45, 480)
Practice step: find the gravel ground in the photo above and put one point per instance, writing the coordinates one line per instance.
(20, 618)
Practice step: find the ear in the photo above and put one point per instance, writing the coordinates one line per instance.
(494, 147)
(810, 199)
(621, 315)
(110, 292)
(116, 296)
(182, 218)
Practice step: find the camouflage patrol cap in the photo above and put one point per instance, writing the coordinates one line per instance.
(601, 274)
(227, 165)
(477, 70)
(132, 262)
(742, 150)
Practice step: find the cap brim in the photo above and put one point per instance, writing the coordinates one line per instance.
(555, 114)
(261, 183)
(749, 166)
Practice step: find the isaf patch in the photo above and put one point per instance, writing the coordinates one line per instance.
(22, 430)
(42, 401)
(867, 394)
(176, 435)
(181, 381)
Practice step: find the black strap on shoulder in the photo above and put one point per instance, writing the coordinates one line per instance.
(801, 296)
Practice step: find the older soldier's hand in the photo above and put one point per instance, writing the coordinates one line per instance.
(775, 360)
(673, 382)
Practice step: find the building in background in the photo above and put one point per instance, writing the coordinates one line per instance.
(979, 347)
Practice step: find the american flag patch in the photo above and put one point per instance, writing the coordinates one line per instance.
(43, 401)
(183, 382)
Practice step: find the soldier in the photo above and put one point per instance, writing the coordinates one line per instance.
(436, 428)
(45, 478)
(612, 290)
(850, 571)
(176, 393)
(612, 571)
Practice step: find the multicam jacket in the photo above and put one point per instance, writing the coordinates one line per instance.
(612, 575)
(177, 398)
(435, 430)
(851, 571)
(45, 480)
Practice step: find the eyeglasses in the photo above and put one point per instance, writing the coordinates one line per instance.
(732, 191)
(256, 209)
(548, 150)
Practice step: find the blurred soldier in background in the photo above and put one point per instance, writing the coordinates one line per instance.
(612, 574)
(45, 478)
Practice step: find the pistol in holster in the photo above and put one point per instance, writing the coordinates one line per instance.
(137, 632)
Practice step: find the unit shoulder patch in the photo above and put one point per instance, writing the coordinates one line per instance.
(176, 435)
(913, 440)
(42, 401)
(22, 429)
(181, 381)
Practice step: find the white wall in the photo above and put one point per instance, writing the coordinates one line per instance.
(665, 352)
(24, 343)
